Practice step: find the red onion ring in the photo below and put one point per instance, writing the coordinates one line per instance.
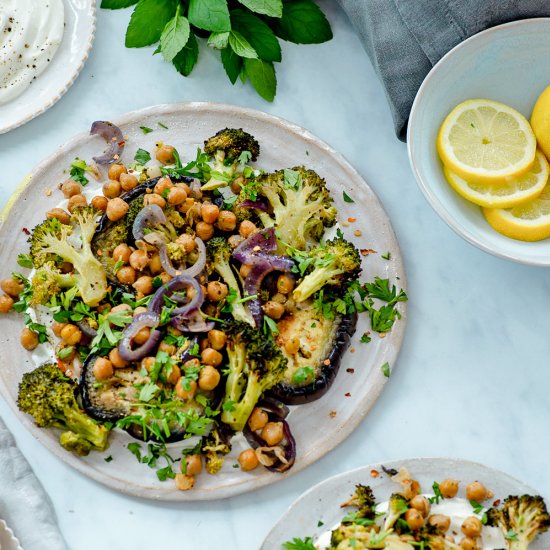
(258, 205)
(140, 321)
(195, 323)
(147, 218)
(114, 138)
(181, 282)
(263, 241)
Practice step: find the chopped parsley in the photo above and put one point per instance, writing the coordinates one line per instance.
(346, 197)
(146, 130)
(142, 156)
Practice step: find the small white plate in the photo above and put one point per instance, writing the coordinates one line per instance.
(49, 87)
(7, 538)
(322, 502)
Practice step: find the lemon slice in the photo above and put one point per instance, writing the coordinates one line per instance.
(485, 141)
(512, 192)
(527, 222)
(540, 121)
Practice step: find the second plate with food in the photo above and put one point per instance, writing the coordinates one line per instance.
(318, 426)
(318, 511)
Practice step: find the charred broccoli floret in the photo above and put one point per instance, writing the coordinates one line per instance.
(363, 499)
(214, 450)
(301, 203)
(75, 249)
(397, 506)
(219, 253)
(521, 519)
(333, 263)
(354, 535)
(228, 149)
(49, 281)
(47, 227)
(49, 397)
(256, 364)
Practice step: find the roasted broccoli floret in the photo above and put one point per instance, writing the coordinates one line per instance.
(363, 499)
(333, 263)
(301, 203)
(47, 227)
(214, 450)
(397, 506)
(256, 364)
(349, 536)
(49, 396)
(75, 249)
(228, 150)
(219, 253)
(521, 519)
(49, 281)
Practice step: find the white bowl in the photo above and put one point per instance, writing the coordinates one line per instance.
(509, 63)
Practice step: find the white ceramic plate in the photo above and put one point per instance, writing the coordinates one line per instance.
(47, 89)
(510, 64)
(322, 502)
(7, 538)
(319, 426)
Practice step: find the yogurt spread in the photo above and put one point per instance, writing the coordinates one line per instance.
(30, 33)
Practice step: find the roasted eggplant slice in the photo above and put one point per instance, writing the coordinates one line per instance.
(320, 344)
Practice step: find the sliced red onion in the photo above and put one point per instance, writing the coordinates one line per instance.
(273, 406)
(140, 321)
(263, 241)
(194, 323)
(258, 204)
(186, 354)
(180, 282)
(193, 271)
(114, 138)
(149, 216)
(86, 329)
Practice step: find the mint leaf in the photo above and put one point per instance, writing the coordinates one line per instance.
(272, 8)
(210, 15)
(262, 76)
(117, 4)
(142, 156)
(186, 59)
(232, 64)
(258, 34)
(174, 36)
(148, 21)
(218, 40)
(303, 22)
(240, 45)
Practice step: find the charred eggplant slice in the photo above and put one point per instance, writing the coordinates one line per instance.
(321, 344)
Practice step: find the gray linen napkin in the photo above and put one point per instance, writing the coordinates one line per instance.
(24, 505)
(406, 38)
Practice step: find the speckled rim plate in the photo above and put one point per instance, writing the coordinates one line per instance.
(322, 501)
(319, 426)
(7, 538)
(49, 87)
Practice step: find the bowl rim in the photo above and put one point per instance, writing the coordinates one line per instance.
(426, 189)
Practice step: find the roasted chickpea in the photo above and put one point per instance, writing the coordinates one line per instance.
(163, 184)
(440, 522)
(193, 465)
(170, 349)
(216, 291)
(138, 310)
(184, 482)
(477, 491)
(279, 298)
(248, 460)
(274, 310)
(116, 209)
(154, 198)
(76, 201)
(57, 328)
(272, 433)
(116, 359)
(176, 195)
(99, 202)
(285, 283)
(245, 270)
(147, 363)
(11, 286)
(122, 253)
(237, 185)
(144, 285)
(60, 214)
(468, 544)
(103, 368)
(111, 189)
(29, 339)
(164, 277)
(210, 356)
(292, 345)
(414, 518)
(235, 240)
(258, 419)
(449, 488)
(175, 375)
(6, 303)
(471, 527)
(185, 388)
(70, 187)
(187, 242)
(139, 259)
(121, 307)
(126, 275)
(71, 334)
(217, 339)
(115, 171)
(420, 503)
(411, 488)
(186, 205)
(209, 212)
(142, 336)
(128, 182)
(246, 228)
(227, 221)
(104, 308)
(205, 231)
(209, 378)
(165, 154)
(155, 265)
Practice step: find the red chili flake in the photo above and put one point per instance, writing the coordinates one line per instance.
(26, 231)
(367, 251)
(326, 362)
(497, 502)
(374, 473)
(347, 394)
(352, 220)
(352, 350)
(350, 370)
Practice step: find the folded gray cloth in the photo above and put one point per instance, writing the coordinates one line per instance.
(406, 38)
(24, 505)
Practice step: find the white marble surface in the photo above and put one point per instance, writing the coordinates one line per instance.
(473, 373)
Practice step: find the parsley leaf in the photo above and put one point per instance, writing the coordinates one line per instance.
(142, 156)
(437, 493)
(385, 368)
(146, 130)
(299, 544)
(78, 171)
(346, 197)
